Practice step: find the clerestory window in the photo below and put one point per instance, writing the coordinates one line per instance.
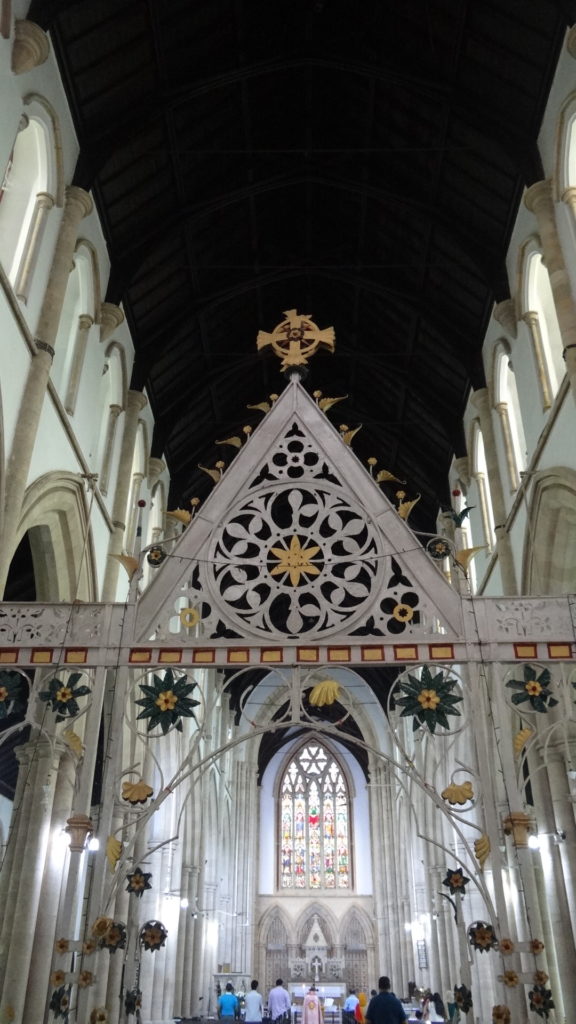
(314, 822)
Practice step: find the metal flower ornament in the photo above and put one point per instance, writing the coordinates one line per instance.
(541, 1000)
(429, 699)
(60, 1003)
(463, 998)
(138, 882)
(482, 936)
(63, 696)
(166, 702)
(115, 937)
(153, 935)
(12, 693)
(456, 881)
(533, 689)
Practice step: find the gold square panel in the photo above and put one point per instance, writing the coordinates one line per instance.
(441, 652)
(307, 654)
(8, 656)
(75, 656)
(203, 657)
(559, 651)
(140, 656)
(271, 655)
(525, 650)
(372, 653)
(167, 657)
(238, 656)
(338, 654)
(42, 656)
(405, 652)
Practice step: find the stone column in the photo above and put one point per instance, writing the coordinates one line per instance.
(502, 410)
(53, 877)
(44, 203)
(27, 881)
(78, 204)
(538, 199)
(481, 400)
(113, 414)
(245, 860)
(532, 321)
(80, 342)
(135, 402)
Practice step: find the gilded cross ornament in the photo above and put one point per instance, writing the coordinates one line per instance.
(295, 339)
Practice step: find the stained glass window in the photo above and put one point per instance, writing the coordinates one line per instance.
(314, 823)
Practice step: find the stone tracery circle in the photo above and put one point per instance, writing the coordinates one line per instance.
(295, 561)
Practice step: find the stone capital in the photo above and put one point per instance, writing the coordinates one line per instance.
(111, 317)
(518, 825)
(85, 322)
(505, 313)
(481, 399)
(31, 47)
(155, 468)
(44, 200)
(462, 466)
(79, 200)
(539, 196)
(78, 827)
(135, 401)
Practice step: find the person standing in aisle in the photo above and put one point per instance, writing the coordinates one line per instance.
(227, 1004)
(385, 1008)
(279, 1005)
(253, 1005)
(350, 1006)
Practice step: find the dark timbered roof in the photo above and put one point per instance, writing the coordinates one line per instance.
(361, 162)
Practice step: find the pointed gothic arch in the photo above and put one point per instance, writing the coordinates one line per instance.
(314, 819)
(55, 515)
(549, 560)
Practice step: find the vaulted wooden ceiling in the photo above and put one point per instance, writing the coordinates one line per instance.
(361, 162)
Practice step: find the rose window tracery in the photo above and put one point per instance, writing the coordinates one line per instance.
(296, 561)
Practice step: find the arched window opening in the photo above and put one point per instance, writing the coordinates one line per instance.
(26, 197)
(508, 408)
(314, 822)
(542, 321)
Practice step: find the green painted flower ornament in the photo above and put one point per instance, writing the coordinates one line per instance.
(429, 700)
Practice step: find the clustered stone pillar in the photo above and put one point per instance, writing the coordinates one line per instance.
(538, 199)
(481, 400)
(135, 402)
(27, 871)
(78, 204)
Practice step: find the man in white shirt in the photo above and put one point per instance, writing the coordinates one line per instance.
(279, 1003)
(253, 1005)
